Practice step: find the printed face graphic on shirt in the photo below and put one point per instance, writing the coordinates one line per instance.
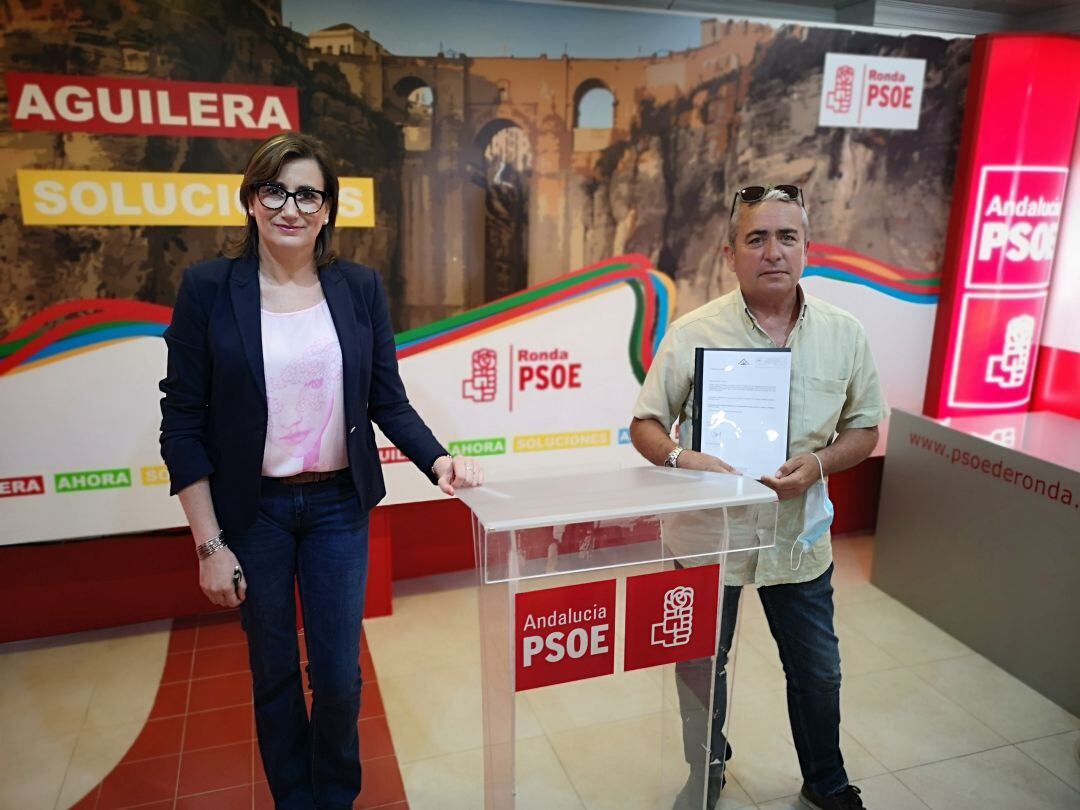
(300, 400)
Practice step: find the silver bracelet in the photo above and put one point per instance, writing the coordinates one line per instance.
(436, 461)
(211, 546)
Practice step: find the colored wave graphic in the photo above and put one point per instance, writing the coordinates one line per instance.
(841, 264)
(73, 327)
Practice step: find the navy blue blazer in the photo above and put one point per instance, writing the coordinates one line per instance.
(213, 414)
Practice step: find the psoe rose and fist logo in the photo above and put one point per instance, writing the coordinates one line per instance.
(871, 92)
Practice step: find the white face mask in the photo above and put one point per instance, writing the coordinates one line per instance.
(817, 516)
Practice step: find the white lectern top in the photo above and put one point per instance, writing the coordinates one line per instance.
(637, 491)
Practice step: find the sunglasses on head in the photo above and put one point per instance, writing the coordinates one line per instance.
(753, 194)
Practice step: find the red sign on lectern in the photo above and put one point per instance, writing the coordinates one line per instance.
(564, 634)
(671, 616)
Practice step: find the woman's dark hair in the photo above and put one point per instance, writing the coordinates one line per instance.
(264, 165)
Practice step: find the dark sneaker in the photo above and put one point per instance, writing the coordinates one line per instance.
(846, 799)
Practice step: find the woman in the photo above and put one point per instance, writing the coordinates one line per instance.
(280, 358)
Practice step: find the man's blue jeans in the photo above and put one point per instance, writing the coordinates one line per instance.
(800, 617)
(314, 535)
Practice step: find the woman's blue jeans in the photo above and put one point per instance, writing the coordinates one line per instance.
(800, 617)
(315, 536)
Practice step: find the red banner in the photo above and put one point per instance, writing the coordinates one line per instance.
(564, 634)
(128, 106)
(671, 616)
(22, 485)
(1023, 97)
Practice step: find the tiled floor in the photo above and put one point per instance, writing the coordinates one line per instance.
(927, 722)
(150, 717)
(159, 716)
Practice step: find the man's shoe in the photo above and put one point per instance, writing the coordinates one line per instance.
(846, 799)
(689, 798)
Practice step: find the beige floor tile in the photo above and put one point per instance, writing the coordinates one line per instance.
(1001, 779)
(1059, 754)
(56, 686)
(786, 803)
(858, 654)
(854, 590)
(435, 618)
(1011, 708)
(32, 770)
(542, 783)
(125, 696)
(49, 707)
(451, 782)
(753, 673)
(903, 722)
(433, 716)
(97, 752)
(610, 767)
(858, 762)
(765, 763)
(755, 633)
(900, 631)
(596, 701)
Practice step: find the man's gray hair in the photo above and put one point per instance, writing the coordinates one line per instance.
(771, 194)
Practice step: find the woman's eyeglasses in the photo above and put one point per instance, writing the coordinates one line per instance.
(273, 196)
(753, 194)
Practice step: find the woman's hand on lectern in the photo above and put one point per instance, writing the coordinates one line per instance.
(458, 471)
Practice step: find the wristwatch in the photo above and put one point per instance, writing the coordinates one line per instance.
(672, 459)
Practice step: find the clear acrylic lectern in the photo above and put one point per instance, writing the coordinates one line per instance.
(599, 620)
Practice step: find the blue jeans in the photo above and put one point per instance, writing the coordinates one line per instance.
(314, 535)
(800, 617)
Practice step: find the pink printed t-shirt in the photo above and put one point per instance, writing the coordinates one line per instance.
(304, 393)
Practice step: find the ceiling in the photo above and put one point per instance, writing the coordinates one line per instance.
(943, 16)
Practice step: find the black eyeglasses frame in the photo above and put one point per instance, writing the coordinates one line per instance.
(257, 187)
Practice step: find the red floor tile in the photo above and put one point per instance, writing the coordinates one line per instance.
(220, 661)
(215, 769)
(264, 800)
(371, 704)
(219, 727)
(171, 700)
(220, 634)
(382, 783)
(148, 780)
(221, 691)
(181, 639)
(87, 802)
(367, 666)
(204, 706)
(237, 798)
(177, 667)
(158, 738)
(375, 739)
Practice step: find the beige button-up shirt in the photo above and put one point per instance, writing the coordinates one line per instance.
(834, 387)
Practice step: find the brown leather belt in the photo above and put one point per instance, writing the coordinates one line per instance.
(311, 476)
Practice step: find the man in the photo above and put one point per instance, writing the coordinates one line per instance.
(835, 407)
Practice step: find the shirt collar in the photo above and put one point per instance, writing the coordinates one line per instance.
(751, 321)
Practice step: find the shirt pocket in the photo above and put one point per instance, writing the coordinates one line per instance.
(824, 400)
